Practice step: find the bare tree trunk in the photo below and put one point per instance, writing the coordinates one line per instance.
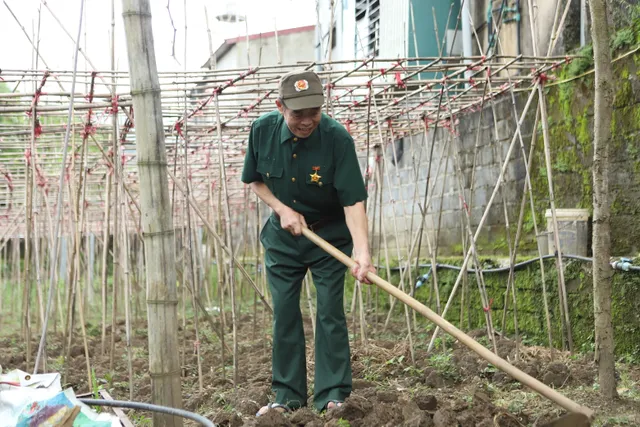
(157, 223)
(602, 271)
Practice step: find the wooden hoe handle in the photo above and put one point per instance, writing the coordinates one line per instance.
(482, 351)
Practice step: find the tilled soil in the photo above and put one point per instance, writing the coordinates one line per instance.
(447, 388)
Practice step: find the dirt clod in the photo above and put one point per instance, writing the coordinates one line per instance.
(556, 374)
(76, 351)
(227, 419)
(506, 348)
(426, 402)
(272, 418)
(353, 408)
(360, 384)
(434, 380)
(444, 418)
(384, 414)
(502, 378)
(414, 416)
(387, 396)
(304, 417)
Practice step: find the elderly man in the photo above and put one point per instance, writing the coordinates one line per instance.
(303, 164)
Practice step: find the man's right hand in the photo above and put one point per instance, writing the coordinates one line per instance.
(292, 221)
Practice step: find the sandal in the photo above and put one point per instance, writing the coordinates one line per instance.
(275, 406)
(337, 403)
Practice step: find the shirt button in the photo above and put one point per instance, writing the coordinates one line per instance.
(267, 174)
(295, 155)
(293, 179)
(320, 184)
(295, 139)
(295, 201)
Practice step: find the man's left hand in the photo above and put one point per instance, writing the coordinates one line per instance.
(362, 267)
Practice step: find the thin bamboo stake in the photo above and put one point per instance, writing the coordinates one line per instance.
(37, 266)
(67, 333)
(105, 258)
(78, 242)
(556, 232)
(222, 280)
(124, 255)
(54, 255)
(227, 213)
(486, 305)
(189, 240)
(115, 284)
(401, 285)
(26, 325)
(483, 219)
(547, 155)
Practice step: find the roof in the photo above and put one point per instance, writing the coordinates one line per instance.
(229, 43)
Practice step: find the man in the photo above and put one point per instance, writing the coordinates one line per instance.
(303, 165)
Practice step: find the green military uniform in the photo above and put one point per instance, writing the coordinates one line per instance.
(317, 177)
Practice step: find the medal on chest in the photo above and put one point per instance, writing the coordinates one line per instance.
(314, 176)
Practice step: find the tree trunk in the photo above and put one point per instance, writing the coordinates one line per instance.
(602, 271)
(156, 215)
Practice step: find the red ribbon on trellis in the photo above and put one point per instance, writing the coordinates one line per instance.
(347, 124)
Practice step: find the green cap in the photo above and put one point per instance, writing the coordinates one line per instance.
(301, 89)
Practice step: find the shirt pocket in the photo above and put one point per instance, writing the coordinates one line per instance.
(271, 174)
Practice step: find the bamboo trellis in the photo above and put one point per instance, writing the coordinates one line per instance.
(403, 98)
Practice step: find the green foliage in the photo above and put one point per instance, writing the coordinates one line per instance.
(624, 38)
(343, 423)
(580, 65)
(443, 364)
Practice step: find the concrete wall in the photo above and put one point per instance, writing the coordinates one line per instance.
(407, 181)
(293, 47)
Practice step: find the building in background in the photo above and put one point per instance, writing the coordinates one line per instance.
(408, 28)
(289, 46)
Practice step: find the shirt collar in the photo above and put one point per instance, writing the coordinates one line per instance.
(285, 133)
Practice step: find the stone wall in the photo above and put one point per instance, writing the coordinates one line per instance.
(480, 147)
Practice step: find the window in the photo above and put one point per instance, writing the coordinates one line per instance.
(368, 26)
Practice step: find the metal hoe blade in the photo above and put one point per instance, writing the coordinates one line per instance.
(570, 420)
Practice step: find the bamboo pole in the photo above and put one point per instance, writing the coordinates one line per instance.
(156, 219)
(189, 240)
(547, 156)
(483, 219)
(54, 255)
(227, 213)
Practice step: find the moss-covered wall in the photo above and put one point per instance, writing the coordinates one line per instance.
(570, 106)
(530, 308)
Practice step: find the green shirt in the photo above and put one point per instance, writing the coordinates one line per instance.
(316, 176)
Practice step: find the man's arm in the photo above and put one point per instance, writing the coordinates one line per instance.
(356, 219)
(290, 220)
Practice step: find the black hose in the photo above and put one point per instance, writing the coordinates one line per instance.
(149, 407)
(624, 264)
(500, 269)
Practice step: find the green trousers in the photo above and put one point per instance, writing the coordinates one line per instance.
(287, 259)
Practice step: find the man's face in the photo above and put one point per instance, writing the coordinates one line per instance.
(301, 123)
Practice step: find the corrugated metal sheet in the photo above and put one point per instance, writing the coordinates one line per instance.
(394, 22)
